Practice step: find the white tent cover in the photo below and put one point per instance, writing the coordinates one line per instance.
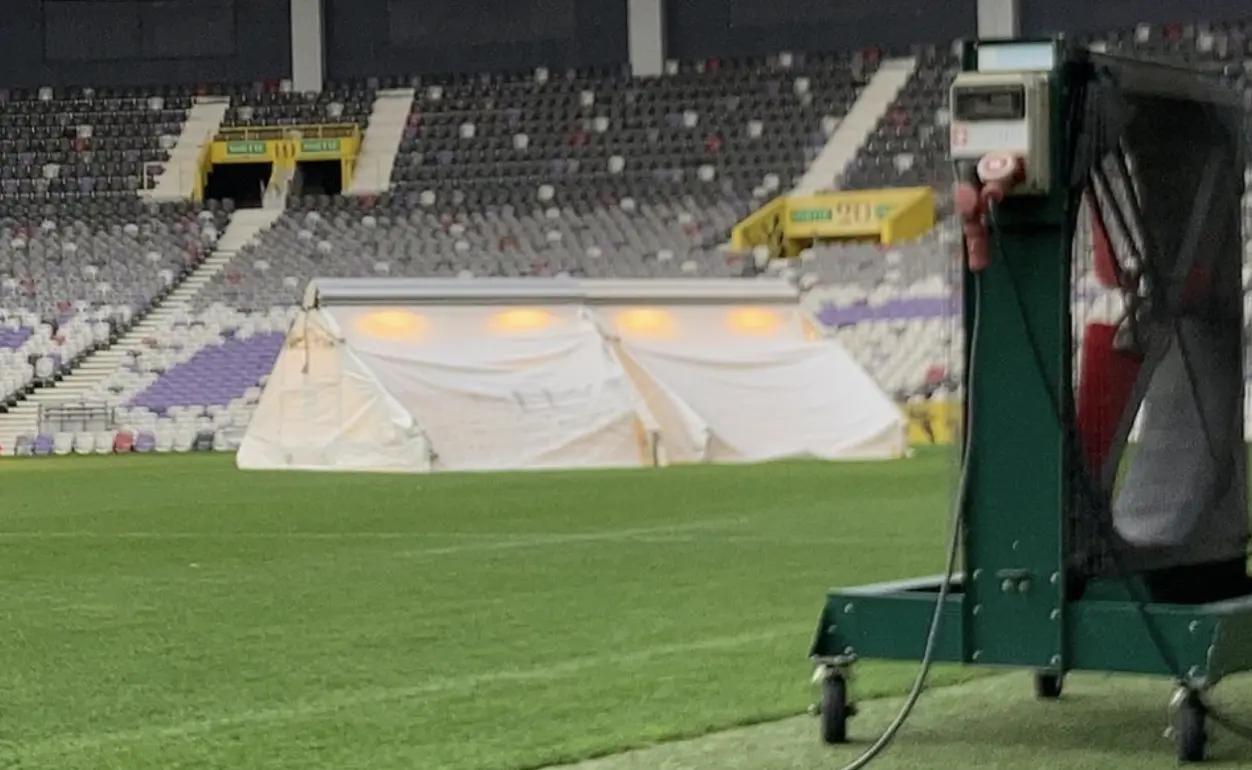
(733, 383)
(475, 375)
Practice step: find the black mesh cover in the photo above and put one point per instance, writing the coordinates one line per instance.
(1158, 159)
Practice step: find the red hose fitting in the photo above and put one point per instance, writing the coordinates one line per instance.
(969, 205)
(998, 173)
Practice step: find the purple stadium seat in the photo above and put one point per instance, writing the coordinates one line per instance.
(43, 444)
(215, 375)
(145, 442)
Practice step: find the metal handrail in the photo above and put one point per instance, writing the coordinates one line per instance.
(261, 133)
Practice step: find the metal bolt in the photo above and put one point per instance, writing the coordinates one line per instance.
(1023, 587)
(1007, 586)
(849, 650)
(976, 655)
(977, 609)
(977, 574)
(847, 608)
(831, 629)
(1055, 578)
(1017, 544)
(1054, 615)
(1193, 626)
(1055, 660)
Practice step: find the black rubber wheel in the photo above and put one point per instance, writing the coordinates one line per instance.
(834, 711)
(1048, 685)
(1188, 726)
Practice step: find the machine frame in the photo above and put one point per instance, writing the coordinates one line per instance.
(1014, 605)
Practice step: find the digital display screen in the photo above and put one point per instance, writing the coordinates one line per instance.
(1015, 57)
(990, 103)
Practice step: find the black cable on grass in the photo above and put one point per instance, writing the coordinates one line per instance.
(954, 546)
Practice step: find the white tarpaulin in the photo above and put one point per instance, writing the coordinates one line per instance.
(504, 387)
(323, 409)
(487, 387)
(419, 375)
(733, 383)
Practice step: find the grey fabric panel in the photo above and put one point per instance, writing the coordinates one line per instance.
(1183, 500)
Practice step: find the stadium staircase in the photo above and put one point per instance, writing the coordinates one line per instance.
(857, 126)
(245, 225)
(381, 142)
(177, 181)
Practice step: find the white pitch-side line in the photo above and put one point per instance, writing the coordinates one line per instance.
(478, 543)
(526, 538)
(316, 707)
(568, 538)
(159, 535)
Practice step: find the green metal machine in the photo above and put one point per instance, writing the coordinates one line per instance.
(1082, 548)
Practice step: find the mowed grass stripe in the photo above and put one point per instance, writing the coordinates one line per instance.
(434, 688)
(560, 615)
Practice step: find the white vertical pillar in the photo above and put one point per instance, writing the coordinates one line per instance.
(307, 45)
(646, 20)
(999, 18)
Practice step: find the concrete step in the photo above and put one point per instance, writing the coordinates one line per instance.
(388, 117)
(178, 178)
(105, 357)
(857, 126)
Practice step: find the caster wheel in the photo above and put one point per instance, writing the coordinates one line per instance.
(1048, 685)
(834, 710)
(1187, 723)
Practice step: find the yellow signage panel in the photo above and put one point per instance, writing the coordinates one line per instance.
(249, 151)
(857, 214)
(789, 222)
(246, 148)
(328, 147)
(274, 150)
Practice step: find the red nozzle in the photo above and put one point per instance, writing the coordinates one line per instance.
(967, 199)
(969, 205)
(1000, 172)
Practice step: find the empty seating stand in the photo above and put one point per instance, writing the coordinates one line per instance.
(584, 173)
(544, 173)
(909, 146)
(260, 105)
(722, 126)
(75, 274)
(59, 259)
(64, 144)
(398, 236)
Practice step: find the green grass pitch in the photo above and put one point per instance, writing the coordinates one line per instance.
(173, 612)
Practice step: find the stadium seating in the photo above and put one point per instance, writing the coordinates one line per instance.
(195, 382)
(726, 126)
(120, 253)
(585, 173)
(76, 274)
(260, 106)
(399, 237)
(910, 144)
(893, 308)
(85, 142)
